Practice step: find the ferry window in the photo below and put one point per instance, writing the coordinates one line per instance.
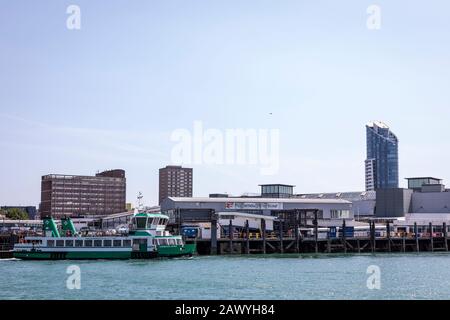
(78, 243)
(135, 241)
(117, 243)
(51, 243)
(171, 241)
(60, 243)
(88, 243)
(107, 243)
(127, 243)
(97, 243)
(69, 243)
(140, 222)
(150, 222)
(163, 242)
(156, 221)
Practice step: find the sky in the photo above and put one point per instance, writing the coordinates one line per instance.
(111, 94)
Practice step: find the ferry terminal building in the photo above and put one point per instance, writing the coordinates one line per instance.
(327, 212)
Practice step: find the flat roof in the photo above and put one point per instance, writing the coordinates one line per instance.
(72, 176)
(276, 184)
(259, 200)
(414, 178)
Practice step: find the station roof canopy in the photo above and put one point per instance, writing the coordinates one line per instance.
(260, 200)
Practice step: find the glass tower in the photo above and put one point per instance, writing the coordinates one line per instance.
(382, 157)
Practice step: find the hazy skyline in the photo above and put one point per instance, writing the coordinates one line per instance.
(110, 95)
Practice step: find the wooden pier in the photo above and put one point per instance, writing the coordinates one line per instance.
(290, 245)
(279, 242)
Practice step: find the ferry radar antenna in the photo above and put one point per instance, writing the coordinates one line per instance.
(139, 205)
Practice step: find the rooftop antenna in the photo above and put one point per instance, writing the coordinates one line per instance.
(139, 204)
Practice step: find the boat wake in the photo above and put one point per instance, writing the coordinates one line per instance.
(10, 259)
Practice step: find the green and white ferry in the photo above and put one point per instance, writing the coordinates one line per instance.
(147, 238)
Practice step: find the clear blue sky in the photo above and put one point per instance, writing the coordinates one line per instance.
(109, 95)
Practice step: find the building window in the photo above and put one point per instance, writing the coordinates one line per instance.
(340, 214)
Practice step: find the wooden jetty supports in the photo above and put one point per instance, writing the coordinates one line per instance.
(416, 236)
(372, 236)
(281, 236)
(263, 234)
(230, 233)
(247, 238)
(430, 228)
(444, 229)
(329, 242)
(388, 236)
(297, 238)
(316, 231)
(344, 241)
(213, 249)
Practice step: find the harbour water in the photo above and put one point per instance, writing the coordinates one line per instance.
(402, 276)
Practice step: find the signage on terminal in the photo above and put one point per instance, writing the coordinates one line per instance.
(254, 205)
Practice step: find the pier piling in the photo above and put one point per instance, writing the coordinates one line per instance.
(328, 243)
(316, 245)
(297, 240)
(430, 227)
(344, 241)
(213, 249)
(230, 233)
(444, 229)
(263, 234)
(281, 236)
(388, 235)
(416, 236)
(247, 238)
(372, 235)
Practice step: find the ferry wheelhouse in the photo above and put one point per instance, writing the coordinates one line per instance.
(146, 239)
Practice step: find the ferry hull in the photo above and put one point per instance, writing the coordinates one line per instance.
(163, 251)
(176, 251)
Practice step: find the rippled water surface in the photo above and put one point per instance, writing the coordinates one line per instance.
(403, 276)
